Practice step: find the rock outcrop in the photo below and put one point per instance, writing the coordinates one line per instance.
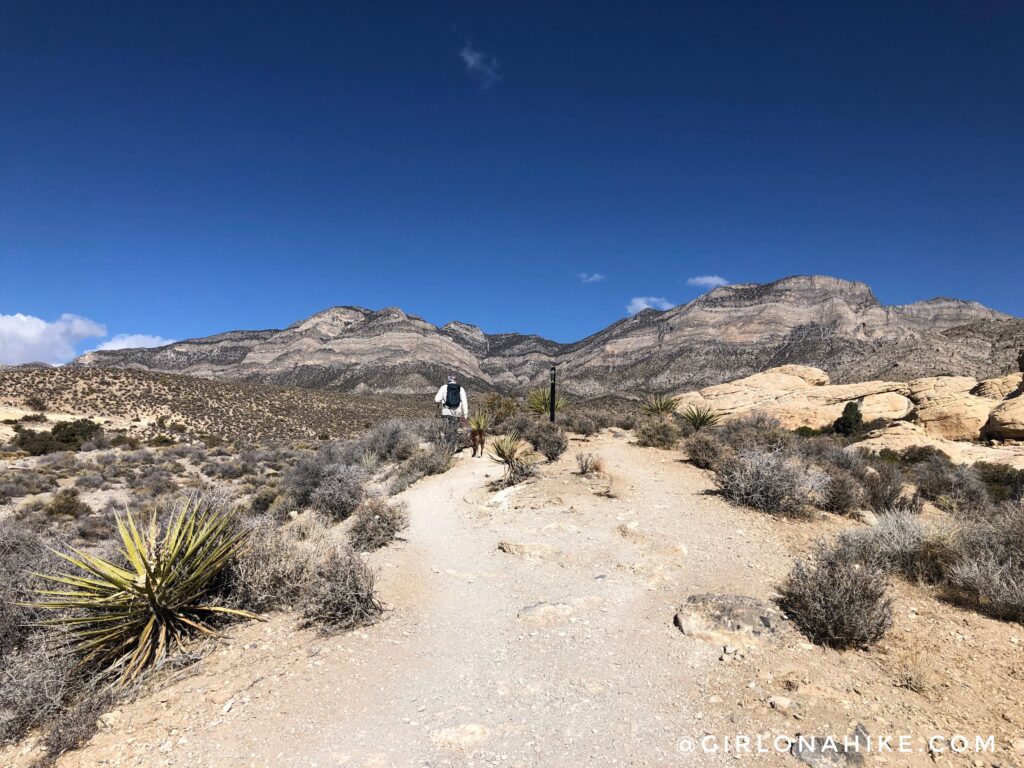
(731, 332)
(936, 410)
(801, 396)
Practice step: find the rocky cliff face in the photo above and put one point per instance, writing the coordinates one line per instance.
(730, 332)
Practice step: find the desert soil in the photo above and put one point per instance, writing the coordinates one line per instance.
(534, 627)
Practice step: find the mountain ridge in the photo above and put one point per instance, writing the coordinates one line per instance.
(731, 331)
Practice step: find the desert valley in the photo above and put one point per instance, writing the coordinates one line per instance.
(804, 519)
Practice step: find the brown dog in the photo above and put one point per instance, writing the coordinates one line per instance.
(477, 438)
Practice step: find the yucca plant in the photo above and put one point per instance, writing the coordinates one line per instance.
(514, 454)
(126, 618)
(659, 405)
(539, 401)
(700, 416)
(480, 422)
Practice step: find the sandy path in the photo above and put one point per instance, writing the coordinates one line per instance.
(560, 652)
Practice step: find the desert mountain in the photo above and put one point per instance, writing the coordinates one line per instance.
(730, 332)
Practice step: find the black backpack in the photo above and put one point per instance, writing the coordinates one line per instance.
(454, 397)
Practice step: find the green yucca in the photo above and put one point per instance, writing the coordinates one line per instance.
(480, 422)
(124, 619)
(516, 456)
(539, 401)
(659, 405)
(700, 416)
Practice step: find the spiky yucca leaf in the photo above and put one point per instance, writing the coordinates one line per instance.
(124, 619)
(515, 454)
(659, 405)
(480, 422)
(539, 401)
(700, 416)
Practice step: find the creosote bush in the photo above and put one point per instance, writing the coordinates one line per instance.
(658, 432)
(377, 524)
(836, 601)
(706, 450)
(340, 492)
(342, 594)
(771, 481)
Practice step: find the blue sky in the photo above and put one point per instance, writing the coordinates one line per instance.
(179, 169)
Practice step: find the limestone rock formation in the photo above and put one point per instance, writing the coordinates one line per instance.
(731, 332)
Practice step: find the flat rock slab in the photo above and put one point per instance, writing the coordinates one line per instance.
(720, 618)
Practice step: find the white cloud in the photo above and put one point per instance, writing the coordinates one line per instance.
(640, 303)
(708, 281)
(481, 66)
(28, 339)
(134, 341)
(590, 277)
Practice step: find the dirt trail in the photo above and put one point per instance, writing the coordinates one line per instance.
(533, 627)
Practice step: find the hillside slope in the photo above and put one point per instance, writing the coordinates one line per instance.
(834, 324)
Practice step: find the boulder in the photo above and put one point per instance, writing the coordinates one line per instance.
(946, 408)
(799, 395)
(725, 619)
(1007, 420)
(1000, 387)
(904, 434)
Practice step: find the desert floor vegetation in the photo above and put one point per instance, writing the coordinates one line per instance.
(146, 552)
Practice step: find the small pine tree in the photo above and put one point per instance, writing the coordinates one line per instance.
(850, 421)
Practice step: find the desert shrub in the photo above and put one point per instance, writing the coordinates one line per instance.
(500, 408)
(539, 401)
(37, 682)
(697, 417)
(392, 440)
(588, 463)
(706, 450)
(282, 506)
(73, 433)
(342, 594)
(340, 492)
(36, 403)
(77, 723)
(37, 443)
(22, 555)
(579, 423)
(277, 564)
(262, 499)
(828, 451)
(851, 420)
(90, 480)
(754, 430)
(152, 482)
(515, 455)
(771, 481)
(915, 454)
(902, 544)
(658, 432)
(953, 487)
(658, 405)
(161, 441)
(1003, 482)
(377, 524)
(883, 487)
(549, 440)
(841, 492)
(124, 618)
(435, 460)
(837, 601)
(67, 504)
(987, 571)
(17, 483)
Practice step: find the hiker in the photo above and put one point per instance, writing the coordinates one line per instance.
(454, 406)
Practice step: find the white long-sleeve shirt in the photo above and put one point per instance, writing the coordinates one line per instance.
(462, 410)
